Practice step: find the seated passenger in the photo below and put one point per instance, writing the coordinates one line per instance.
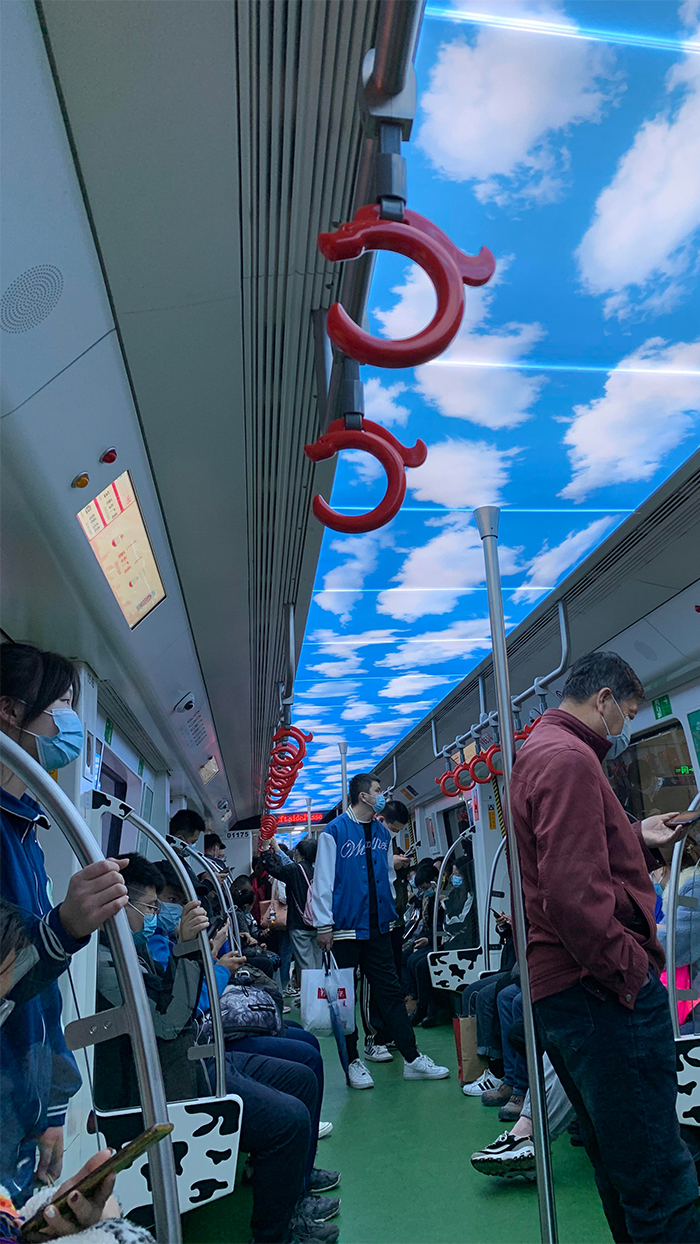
(215, 849)
(26, 968)
(687, 934)
(187, 826)
(461, 927)
(513, 1153)
(254, 949)
(39, 1074)
(280, 1097)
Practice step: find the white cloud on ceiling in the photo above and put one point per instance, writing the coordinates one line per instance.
(314, 710)
(351, 664)
(411, 684)
(339, 645)
(497, 110)
(492, 397)
(550, 564)
(643, 239)
(381, 404)
(414, 706)
(689, 12)
(460, 639)
(365, 467)
(623, 436)
(388, 729)
(361, 557)
(460, 473)
(435, 575)
(327, 690)
(358, 710)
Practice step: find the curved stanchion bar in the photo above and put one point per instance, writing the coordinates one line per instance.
(173, 857)
(223, 892)
(148, 1072)
(489, 898)
(465, 834)
(671, 926)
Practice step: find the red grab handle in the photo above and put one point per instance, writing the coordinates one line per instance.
(463, 770)
(393, 456)
(448, 775)
(448, 268)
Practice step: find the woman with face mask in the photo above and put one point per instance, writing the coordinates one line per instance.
(38, 692)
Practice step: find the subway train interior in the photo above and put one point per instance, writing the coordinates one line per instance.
(350, 396)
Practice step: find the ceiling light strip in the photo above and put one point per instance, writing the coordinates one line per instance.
(530, 25)
(611, 369)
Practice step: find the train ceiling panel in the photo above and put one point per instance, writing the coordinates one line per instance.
(215, 140)
(76, 402)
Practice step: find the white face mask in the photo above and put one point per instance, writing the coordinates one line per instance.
(618, 742)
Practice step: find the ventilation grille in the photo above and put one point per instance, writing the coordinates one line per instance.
(30, 298)
(112, 704)
(194, 731)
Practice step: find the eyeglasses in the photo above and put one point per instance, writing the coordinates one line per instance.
(152, 908)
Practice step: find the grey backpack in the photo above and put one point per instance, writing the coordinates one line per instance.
(248, 1009)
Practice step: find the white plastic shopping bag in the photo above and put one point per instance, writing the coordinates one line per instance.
(321, 989)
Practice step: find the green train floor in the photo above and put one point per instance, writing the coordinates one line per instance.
(403, 1150)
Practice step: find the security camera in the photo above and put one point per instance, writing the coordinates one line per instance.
(186, 704)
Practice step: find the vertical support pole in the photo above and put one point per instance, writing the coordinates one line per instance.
(487, 518)
(343, 749)
(308, 814)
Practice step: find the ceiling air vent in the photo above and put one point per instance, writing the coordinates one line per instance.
(194, 731)
(30, 298)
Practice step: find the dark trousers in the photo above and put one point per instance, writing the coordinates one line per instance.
(376, 1031)
(510, 1010)
(375, 960)
(618, 1069)
(279, 1099)
(298, 1046)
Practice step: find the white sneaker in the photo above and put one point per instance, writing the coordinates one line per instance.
(358, 1076)
(484, 1084)
(377, 1054)
(423, 1068)
(324, 1129)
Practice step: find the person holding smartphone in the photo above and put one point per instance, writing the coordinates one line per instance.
(38, 694)
(23, 974)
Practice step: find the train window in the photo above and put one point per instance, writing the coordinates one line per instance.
(655, 774)
(146, 803)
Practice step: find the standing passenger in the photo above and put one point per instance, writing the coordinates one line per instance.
(353, 905)
(594, 957)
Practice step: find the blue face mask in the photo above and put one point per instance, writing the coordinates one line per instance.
(149, 924)
(169, 916)
(64, 747)
(458, 880)
(381, 803)
(618, 742)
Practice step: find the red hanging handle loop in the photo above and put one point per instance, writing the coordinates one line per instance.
(393, 456)
(448, 268)
(463, 771)
(494, 751)
(479, 769)
(448, 775)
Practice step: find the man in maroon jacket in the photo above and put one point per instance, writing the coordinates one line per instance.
(594, 958)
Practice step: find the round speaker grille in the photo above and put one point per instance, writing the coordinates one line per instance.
(29, 299)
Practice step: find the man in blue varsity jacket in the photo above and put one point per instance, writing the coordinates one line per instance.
(353, 905)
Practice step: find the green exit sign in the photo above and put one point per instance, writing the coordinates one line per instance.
(662, 707)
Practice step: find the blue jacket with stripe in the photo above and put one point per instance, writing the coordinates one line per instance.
(38, 1073)
(340, 895)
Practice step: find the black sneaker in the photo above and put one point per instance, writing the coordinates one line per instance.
(306, 1231)
(508, 1155)
(320, 1208)
(323, 1181)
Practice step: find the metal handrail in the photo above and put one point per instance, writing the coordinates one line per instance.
(203, 941)
(465, 834)
(541, 684)
(134, 1000)
(671, 925)
(487, 520)
(492, 880)
(227, 905)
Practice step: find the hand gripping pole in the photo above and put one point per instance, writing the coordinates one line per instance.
(394, 456)
(448, 268)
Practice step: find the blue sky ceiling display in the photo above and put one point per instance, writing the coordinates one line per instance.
(567, 140)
